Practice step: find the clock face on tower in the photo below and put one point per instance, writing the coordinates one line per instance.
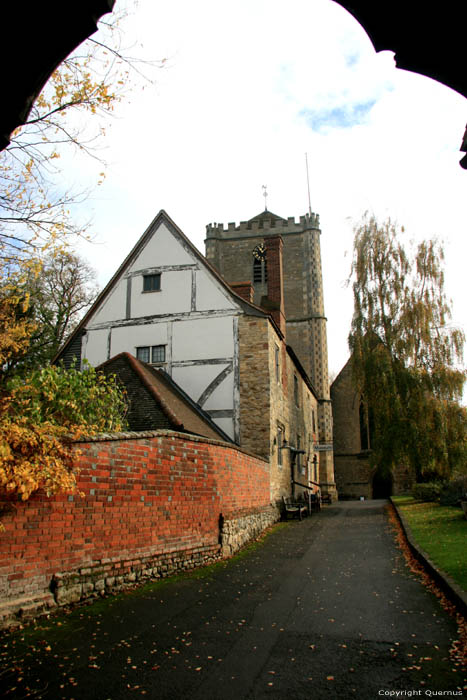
(260, 252)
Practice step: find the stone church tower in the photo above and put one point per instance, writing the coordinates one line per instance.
(239, 253)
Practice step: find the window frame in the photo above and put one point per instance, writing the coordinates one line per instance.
(150, 354)
(151, 283)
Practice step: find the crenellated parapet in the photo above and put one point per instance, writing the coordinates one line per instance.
(263, 223)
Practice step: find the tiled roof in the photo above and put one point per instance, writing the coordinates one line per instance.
(156, 401)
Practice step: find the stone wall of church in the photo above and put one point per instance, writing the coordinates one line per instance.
(253, 360)
(276, 403)
(345, 410)
(230, 250)
(353, 476)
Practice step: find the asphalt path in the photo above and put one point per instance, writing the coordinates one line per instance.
(323, 608)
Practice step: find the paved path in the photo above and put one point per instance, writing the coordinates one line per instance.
(325, 608)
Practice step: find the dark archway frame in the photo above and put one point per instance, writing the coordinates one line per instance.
(36, 38)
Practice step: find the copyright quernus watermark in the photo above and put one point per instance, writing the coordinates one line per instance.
(426, 692)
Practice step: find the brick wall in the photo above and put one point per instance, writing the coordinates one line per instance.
(153, 503)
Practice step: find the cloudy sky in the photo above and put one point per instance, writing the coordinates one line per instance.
(247, 89)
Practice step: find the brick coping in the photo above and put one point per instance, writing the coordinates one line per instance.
(146, 434)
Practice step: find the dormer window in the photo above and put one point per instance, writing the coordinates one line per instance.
(152, 283)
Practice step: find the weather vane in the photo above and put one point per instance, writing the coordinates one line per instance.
(265, 195)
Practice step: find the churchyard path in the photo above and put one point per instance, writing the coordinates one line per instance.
(324, 608)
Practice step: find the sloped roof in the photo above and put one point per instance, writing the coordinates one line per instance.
(156, 401)
(267, 215)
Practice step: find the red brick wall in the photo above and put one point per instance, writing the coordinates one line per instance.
(143, 497)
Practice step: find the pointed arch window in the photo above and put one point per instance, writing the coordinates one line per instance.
(366, 425)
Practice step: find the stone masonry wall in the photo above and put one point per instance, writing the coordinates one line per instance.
(354, 476)
(154, 503)
(267, 402)
(254, 385)
(345, 409)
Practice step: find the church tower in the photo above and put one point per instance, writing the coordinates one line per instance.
(239, 253)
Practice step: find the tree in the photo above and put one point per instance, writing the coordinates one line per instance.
(42, 412)
(34, 207)
(60, 291)
(406, 357)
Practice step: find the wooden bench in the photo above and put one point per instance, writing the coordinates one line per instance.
(294, 508)
(326, 498)
(315, 501)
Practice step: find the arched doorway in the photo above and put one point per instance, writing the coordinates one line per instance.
(382, 484)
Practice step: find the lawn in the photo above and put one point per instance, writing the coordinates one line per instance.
(441, 531)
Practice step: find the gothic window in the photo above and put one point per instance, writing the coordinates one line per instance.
(363, 416)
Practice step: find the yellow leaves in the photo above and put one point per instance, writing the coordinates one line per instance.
(36, 458)
(5, 453)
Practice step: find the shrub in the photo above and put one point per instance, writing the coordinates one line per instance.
(454, 491)
(430, 491)
(41, 413)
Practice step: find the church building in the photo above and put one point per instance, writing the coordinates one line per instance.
(241, 253)
(241, 333)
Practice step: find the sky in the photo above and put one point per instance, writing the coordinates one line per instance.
(247, 89)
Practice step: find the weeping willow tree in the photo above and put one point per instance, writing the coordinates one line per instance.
(406, 357)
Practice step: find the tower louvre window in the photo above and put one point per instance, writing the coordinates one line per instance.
(260, 271)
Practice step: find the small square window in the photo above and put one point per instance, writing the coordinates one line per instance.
(152, 283)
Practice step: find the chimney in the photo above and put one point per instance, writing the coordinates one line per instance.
(243, 289)
(274, 302)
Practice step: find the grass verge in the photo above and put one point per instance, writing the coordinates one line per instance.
(441, 531)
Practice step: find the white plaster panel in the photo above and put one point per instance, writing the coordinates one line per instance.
(195, 379)
(222, 396)
(174, 296)
(128, 338)
(94, 347)
(113, 306)
(203, 338)
(210, 295)
(162, 248)
(225, 424)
